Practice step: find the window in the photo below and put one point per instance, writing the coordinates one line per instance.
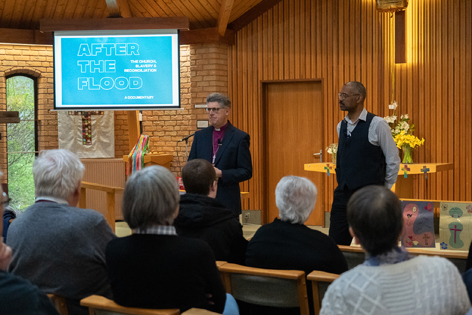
(22, 144)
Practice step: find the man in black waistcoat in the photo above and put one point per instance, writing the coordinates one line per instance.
(367, 155)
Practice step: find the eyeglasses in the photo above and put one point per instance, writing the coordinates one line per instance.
(344, 95)
(213, 109)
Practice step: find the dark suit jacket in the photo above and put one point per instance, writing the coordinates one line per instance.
(233, 159)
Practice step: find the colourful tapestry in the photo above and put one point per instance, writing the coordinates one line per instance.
(455, 225)
(89, 134)
(418, 228)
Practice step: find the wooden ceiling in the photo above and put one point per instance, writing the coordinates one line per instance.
(26, 14)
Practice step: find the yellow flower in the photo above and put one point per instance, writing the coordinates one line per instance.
(402, 139)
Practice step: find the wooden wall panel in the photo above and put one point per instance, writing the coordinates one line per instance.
(340, 41)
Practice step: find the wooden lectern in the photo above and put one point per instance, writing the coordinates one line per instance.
(155, 159)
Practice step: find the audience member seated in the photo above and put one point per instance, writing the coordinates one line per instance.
(202, 216)
(287, 243)
(391, 281)
(467, 276)
(19, 296)
(8, 215)
(153, 267)
(58, 247)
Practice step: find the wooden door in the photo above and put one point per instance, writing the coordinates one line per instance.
(293, 132)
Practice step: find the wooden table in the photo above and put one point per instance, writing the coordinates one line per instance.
(404, 186)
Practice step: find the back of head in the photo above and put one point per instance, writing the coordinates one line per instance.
(375, 215)
(358, 87)
(198, 175)
(57, 173)
(221, 99)
(151, 197)
(295, 198)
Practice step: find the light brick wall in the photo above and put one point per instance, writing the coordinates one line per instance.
(35, 61)
(203, 70)
(121, 134)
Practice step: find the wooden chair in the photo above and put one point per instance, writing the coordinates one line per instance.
(266, 287)
(320, 281)
(355, 255)
(99, 305)
(59, 303)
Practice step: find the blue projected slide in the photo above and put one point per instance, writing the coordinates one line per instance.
(126, 71)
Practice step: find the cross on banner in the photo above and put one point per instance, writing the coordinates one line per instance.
(425, 170)
(405, 169)
(426, 238)
(455, 229)
(86, 124)
(327, 168)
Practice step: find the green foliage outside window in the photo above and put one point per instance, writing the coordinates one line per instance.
(21, 142)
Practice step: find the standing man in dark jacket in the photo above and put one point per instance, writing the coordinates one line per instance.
(367, 155)
(202, 216)
(227, 148)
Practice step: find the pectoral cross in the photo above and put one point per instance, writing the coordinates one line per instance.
(405, 169)
(327, 168)
(425, 170)
(86, 124)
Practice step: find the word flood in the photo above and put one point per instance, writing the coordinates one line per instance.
(107, 83)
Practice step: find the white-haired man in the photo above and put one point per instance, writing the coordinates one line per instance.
(57, 246)
(289, 244)
(17, 295)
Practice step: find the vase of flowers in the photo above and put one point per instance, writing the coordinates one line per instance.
(402, 133)
(333, 150)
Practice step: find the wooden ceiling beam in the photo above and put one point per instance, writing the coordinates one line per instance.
(223, 17)
(252, 14)
(20, 36)
(205, 36)
(118, 9)
(132, 23)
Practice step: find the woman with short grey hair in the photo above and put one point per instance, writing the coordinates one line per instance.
(295, 198)
(143, 206)
(287, 243)
(153, 267)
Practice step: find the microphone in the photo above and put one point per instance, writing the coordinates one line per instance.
(219, 142)
(186, 138)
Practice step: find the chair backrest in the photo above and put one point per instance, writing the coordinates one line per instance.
(266, 287)
(100, 305)
(320, 281)
(59, 303)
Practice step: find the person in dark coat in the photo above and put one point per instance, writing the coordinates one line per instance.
(287, 244)
(18, 295)
(227, 148)
(154, 267)
(202, 216)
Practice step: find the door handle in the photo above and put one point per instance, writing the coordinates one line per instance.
(320, 154)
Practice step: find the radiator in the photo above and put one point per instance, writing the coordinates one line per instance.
(110, 172)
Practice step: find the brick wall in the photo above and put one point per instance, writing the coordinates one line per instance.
(204, 70)
(37, 62)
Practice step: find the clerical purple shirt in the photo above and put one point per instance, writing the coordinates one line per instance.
(218, 135)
